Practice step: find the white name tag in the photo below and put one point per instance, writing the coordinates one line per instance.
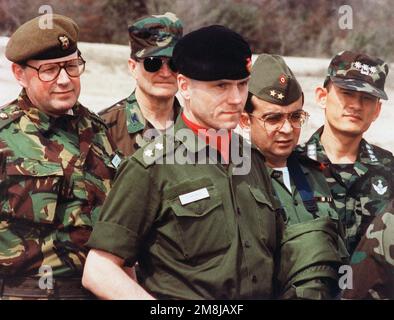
(194, 196)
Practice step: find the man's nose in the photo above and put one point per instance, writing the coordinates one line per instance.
(63, 77)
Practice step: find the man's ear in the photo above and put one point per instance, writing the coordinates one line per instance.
(184, 86)
(321, 96)
(19, 74)
(244, 121)
(132, 65)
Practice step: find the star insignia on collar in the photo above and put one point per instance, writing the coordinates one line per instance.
(159, 146)
(148, 152)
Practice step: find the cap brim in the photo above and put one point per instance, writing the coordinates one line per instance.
(159, 52)
(359, 85)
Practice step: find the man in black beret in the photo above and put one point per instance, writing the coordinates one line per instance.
(57, 162)
(198, 229)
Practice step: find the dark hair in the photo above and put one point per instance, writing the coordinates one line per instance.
(249, 106)
(327, 83)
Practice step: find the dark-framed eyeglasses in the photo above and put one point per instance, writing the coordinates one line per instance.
(50, 71)
(275, 121)
(154, 64)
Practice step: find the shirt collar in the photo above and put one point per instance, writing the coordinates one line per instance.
(135, 120)
(39, 119)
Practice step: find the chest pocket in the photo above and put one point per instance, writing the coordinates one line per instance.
(200, 224)
(31, 189)
(268, 214)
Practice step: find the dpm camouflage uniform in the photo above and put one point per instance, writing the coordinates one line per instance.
(54, 176)
(373, 261)
(360, 191)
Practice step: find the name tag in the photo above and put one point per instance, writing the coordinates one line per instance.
(194, 196)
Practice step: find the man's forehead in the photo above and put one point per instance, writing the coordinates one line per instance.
(338, 88)
(57, 60)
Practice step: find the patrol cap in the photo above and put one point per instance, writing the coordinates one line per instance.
(37, 39)
(359, 72)
(273, 81)
(213, 53)
(155, 35)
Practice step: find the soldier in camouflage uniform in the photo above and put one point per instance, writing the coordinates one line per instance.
(373, 260)
(153, 104)
(360, 174)
(311, 249)
(56, 166)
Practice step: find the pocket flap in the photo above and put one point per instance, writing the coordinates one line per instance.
(29, 167)
(260, 197)
(196, 209)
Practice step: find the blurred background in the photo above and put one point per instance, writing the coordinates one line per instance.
(307, 32)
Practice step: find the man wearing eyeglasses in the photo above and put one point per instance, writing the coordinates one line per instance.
(56, 166)
(310, 248)
(153, 105)
(360, 174)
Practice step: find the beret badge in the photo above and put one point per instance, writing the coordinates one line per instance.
(64, 42)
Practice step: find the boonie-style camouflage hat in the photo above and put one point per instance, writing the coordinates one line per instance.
(359, 72)
(155, 35)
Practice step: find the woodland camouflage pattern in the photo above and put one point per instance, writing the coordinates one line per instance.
(54, 177)
(364, 193)
(155, 35)
(359, 72)
(373, 261)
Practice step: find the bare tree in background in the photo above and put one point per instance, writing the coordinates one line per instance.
(286, 27)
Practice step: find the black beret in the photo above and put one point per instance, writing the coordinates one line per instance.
(213, 53)
(35, 40)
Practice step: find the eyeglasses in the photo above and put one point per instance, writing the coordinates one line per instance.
(153, 64)
(275, 121)
(50, 71)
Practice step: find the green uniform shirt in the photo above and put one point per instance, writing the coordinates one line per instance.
(292, 202)
(359, 194)
(127, 125)
(312, 248)
(54, 176)
(218, 247)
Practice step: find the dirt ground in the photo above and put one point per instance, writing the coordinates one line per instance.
(107, 80)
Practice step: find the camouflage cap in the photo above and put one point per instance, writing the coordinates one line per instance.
(273, 81)
(359, 72)
(47, 36)
(155, 35)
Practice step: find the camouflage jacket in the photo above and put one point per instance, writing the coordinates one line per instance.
(127, 125)
(360, 194)
(54, 176)
(373, 261)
